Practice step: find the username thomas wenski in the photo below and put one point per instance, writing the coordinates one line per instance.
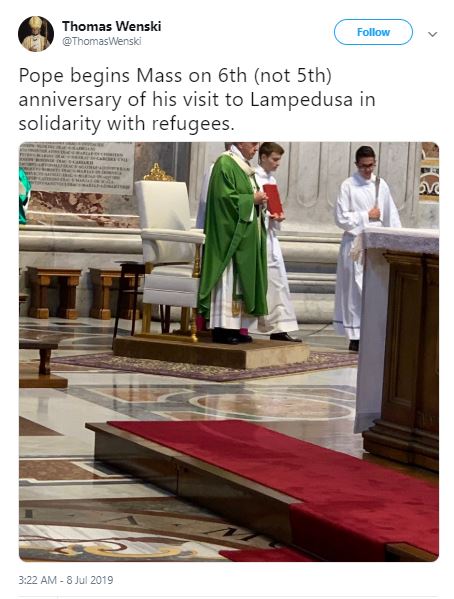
(118, 26)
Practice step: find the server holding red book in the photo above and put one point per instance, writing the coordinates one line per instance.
(281, 317)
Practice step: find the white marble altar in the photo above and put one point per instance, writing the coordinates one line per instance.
(375, 308)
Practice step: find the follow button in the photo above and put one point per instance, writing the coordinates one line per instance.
(373, 32)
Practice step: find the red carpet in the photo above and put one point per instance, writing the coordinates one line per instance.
(351, 507)
(266, 555)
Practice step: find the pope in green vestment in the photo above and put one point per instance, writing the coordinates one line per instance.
(235, 232)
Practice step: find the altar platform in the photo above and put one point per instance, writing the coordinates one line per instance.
(174, 348)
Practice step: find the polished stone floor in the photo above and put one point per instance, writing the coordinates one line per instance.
(73, 508)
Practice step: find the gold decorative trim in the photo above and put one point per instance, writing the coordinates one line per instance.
(157, 174)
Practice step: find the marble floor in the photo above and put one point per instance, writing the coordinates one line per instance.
(73, 508)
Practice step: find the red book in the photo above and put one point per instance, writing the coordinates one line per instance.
(274, 201)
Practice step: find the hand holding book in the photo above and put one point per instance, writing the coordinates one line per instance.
(274, 201)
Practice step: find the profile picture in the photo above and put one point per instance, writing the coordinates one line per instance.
(36, 34)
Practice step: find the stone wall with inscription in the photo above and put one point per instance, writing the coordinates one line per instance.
(96, 225)
(91, 184)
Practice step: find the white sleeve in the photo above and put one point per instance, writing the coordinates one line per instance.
(345, 217)
(394, 218)
(274, 225)
(390, 216)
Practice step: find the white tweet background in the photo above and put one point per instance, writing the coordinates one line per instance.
(412, 88)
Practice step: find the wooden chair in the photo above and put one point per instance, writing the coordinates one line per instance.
(137, 269)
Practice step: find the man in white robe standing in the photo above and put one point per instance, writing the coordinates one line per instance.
(364, 200)
(281, 317)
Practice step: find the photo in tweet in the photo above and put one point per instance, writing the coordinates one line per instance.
(228, 351)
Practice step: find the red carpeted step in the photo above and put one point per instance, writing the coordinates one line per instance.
(267, 555)
(351, 531)
(359, 499)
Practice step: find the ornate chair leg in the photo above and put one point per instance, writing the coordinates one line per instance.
(194, 324)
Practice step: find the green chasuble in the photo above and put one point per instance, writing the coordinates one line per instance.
(231, 235)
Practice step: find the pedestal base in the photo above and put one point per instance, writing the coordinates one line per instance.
(257, 354)
(29, 378)
(402, 445)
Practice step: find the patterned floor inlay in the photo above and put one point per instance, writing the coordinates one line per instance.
(60, 470)
(281, 401)
(76, 509)
(145, 530)
(176, 415)
(273, 405)
(28, 428)
(138, 394)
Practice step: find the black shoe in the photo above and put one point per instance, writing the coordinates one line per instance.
(354, 345)
(228, 336)
(284, 337)
(244, 338)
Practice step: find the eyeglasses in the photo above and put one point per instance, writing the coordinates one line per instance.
(366, 167)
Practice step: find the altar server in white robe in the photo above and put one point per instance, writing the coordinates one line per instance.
(281, 316)
(364, 200)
